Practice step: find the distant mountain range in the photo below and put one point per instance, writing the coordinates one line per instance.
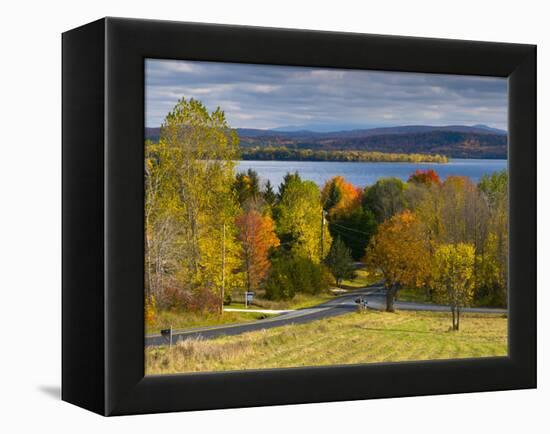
(455, 141)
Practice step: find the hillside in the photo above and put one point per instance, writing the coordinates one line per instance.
(457, 141)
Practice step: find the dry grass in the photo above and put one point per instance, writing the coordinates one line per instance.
(355, 338)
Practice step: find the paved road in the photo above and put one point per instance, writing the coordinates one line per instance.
(340, 305)
(377, 301)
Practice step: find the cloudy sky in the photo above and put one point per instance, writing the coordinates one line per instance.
(263, 96)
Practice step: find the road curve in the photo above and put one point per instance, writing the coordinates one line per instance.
(375, 294)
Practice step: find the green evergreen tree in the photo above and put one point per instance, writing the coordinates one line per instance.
(356, 228)
(247, 186)
(339, 261)
(269, 194)
(289, 177)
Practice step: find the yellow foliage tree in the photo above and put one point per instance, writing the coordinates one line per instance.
(190, 204)
(162, 215)
(150, 310)
(453, 277)
(300, 219)
(400, 252)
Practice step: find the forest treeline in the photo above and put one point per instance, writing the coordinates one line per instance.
(211, 231)
(282, 153)
(465, 143)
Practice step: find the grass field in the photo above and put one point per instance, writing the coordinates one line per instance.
(414, 295)
(353, 338)
(422, 296)
(300, 301)
(362, 278)
(182, 320)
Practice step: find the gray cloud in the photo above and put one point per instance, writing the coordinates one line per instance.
(265, 96)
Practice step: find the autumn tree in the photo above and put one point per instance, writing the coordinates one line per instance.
(456, 218)
(453, 273)
(346, 217)
(453, 212)
(162, 211)
(428, 176)
(257, 236)
(339, 196)
(399, 251)
(494, 267)
(339, 261)
(385, 198)
(300, 223)
(200, 150)
(458, 211)
(427, 201)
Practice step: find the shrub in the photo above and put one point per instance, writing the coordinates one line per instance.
(175, 297)
(227, 300)
(150, 309)
(291, 274)
(203, 300)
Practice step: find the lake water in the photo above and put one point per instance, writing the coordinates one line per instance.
(361, 173)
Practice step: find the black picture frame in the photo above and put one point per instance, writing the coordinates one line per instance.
(103, 225)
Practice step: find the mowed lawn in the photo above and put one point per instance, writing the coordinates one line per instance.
(348, 339)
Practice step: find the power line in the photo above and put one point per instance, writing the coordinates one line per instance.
(350, 229)
(348, 236)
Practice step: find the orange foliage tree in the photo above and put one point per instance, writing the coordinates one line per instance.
(428, 176)
(257, 235)
(339, 196)
(400, 252)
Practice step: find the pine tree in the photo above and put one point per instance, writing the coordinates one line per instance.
(339, 261)
(269, 194)
(247, 186)
(288, 178)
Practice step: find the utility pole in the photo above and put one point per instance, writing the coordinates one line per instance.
(223, 267)
(322, 233)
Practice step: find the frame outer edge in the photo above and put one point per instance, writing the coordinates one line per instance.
(82, 223)
(522, 211)
(128, 42)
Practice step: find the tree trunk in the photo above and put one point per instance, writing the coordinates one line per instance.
(453, 312)
(390, 297)
(149, 275)
(457, 318)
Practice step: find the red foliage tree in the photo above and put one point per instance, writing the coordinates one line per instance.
(428, 176)
(257, 235)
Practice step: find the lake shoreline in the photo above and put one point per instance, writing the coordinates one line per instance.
(305, 154)
(362, 173)
(344, 161)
